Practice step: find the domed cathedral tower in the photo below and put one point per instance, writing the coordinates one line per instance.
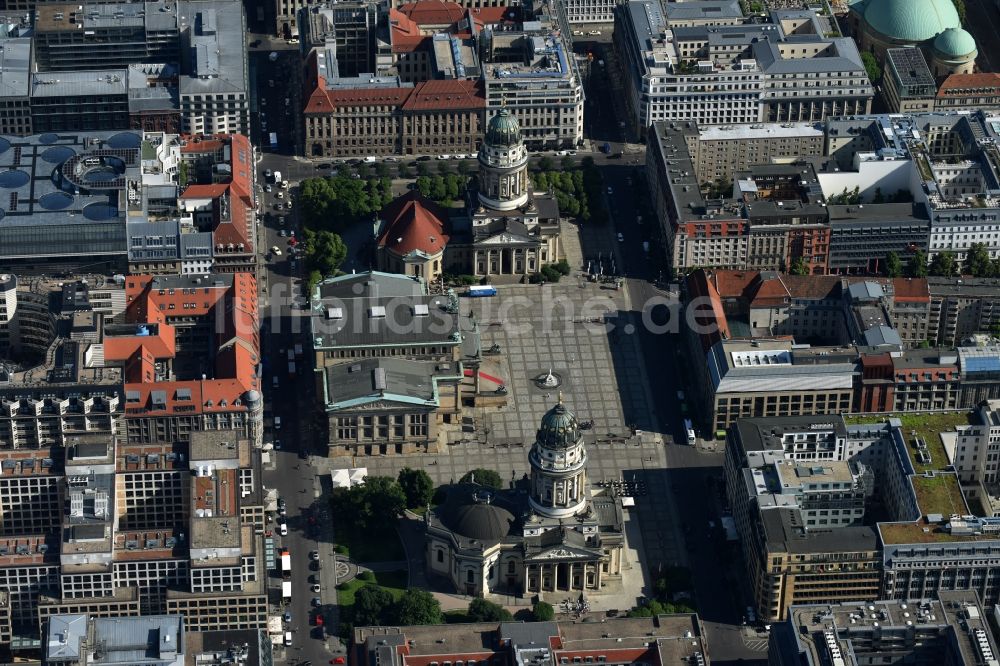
(558, 463)
(503, 164)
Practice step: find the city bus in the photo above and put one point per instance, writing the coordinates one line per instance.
(478, 291)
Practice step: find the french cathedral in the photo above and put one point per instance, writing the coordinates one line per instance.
(548, 535)
(505, 228)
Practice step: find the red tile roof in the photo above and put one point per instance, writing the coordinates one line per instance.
(911, 290)
(406, 35)
(730, 284)
(413, 223)
(233, 312)
(234, 196)
(767, 292)
(433, 12)
(708, 312)
(961, 84)
(812, 286)
(446, 94)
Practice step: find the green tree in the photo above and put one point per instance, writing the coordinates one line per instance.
(404, 171)
(917, 266)
(977, 261)
(416, 607)
(944, 265)
(325, 251)
(438, 189)
(417, 486)
(481, 610)
(363, 170)
(314, 279)
(382, 169)
(799, 267)
(423, 169)
(452, 186)
(444, 167)
(893, 266)
(545, 164)
(370, 605)
(871, 66)
(424, 185)
(374, 504)
(960, 9)
(463, 168)
(543, 612)
(567, 163)
(484, 477)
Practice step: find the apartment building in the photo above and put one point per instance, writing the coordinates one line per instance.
(190, 351)
(417, 360)
(97, 36)
(717, 152)
(914, 380)
(907, 82)
(980, 368)
(975, 457)
(968, 92)
(863, 235)
(80, 638)
(287, 14)
(214, 79)
(961, 308)
(356, 118)
(771, 378)
(348, 29)
(952, 628)
(735, 74)
(532, 73)
(55, 389)
(663, 639)
(220, 202)
(803, 542)
(938, 554)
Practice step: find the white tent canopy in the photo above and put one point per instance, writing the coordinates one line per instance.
(345, 478)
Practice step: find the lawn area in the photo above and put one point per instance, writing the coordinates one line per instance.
(393, 581)
(362, 547)
(927, 426)
(939, 494)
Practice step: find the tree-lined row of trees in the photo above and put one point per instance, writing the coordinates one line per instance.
(945, 264)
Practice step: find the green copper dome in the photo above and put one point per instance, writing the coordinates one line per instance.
(503, 130)
(954, 42)
(911, 20)
(559, 429)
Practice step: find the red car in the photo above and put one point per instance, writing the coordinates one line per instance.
(319, 620)
(338, 660)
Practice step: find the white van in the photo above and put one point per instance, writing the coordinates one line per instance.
(277, 423)
(288, 638)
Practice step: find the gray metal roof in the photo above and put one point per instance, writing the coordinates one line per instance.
(152, 639)
(704, 10)
(386, 377)
(15, 65)
(846, 58)
(882, 336)
(79, 84)
(64, 637)
(216, 61)
(371, 284)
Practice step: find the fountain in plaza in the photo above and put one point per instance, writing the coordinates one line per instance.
(548, 380)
